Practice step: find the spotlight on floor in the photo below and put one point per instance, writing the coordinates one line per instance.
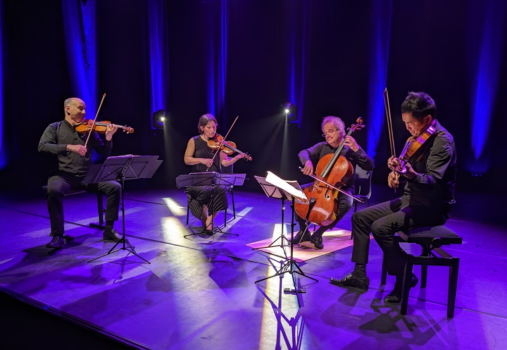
(158, 119)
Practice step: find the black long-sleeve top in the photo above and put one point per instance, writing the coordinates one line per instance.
(435, 163)
(316, 152)
(58, 135)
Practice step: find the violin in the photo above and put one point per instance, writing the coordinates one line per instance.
(322, 194)
(100, 127)
(412, 145)
(228, 147)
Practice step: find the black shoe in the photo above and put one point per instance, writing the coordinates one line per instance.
(395, 295)
(57, 242)
(299, 238)
(111, 235)
(314, 243)
(352, 281)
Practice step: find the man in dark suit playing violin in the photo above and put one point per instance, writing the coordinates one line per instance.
(74, 160)
(426, 201)
(334, 132)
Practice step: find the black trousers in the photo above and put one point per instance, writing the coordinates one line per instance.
(383, 221)
(61, 184)
(344, 205)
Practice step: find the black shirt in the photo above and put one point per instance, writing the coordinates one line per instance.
(321, 149)
(435, 162)
(58, 135)
(203, 151)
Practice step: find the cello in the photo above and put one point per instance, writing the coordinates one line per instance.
(334, 171)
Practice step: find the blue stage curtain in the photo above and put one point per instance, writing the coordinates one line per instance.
(158, 59)
(79, 25)
(485, 35)
(3, 153)
(380, 34)
(217, 63)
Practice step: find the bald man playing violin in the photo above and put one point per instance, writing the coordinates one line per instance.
(74, 161)
(427, 198)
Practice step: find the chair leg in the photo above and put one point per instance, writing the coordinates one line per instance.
(407, 279)
(424, 275)
(188, 210)
(225, 217)
(453, 284)
(233, 207)
(367, 202)
(383, 277)
(100, 203)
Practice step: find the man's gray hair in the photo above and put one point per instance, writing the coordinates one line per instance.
(337, 122)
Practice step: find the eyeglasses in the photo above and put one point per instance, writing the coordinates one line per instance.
(329, 132)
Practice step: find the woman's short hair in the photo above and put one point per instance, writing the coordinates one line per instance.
(420, 104)
(337, 123)
(204, 120)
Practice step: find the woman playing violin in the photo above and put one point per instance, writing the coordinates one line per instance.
(334, 132)
(426, 201)
(200, 157)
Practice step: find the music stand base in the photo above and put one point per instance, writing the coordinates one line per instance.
(126, 246)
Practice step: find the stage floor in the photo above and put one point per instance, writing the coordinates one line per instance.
(199, 293)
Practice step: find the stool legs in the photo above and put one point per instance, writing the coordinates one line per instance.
(453, 284)
(407, 280)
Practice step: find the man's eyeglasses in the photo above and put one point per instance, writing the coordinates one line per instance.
(329, 132)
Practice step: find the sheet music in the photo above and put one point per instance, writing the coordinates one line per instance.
(287, 186)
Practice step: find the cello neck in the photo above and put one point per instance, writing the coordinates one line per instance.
(336, 154)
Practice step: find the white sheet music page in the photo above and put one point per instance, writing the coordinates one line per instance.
(287, 186)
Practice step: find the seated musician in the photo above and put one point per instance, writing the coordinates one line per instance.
(74, 160)
(426, 201)
(334, 132)
(202, 204)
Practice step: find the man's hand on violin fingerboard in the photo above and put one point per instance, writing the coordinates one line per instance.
(111, 129)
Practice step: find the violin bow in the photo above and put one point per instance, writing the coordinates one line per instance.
(96, 115)
(389, 122)
(212, 159)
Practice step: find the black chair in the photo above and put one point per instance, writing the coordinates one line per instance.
(363, 185)
(229, 170)
(230, 189)
(431, 239)
(100, 205)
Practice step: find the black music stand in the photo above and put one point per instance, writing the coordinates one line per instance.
(210, 178)
(274, 192)
(290, 265)
(123, 168)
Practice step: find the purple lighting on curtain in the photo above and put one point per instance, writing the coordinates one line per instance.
(79, 25)
(379, 58)
(297, 55)
(3, 154)
(485, 64)
(217, 66)
(158, 54)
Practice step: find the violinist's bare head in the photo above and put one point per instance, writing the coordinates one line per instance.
(75, 110)
(207, 126)
(333, 130)
(418, 111)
